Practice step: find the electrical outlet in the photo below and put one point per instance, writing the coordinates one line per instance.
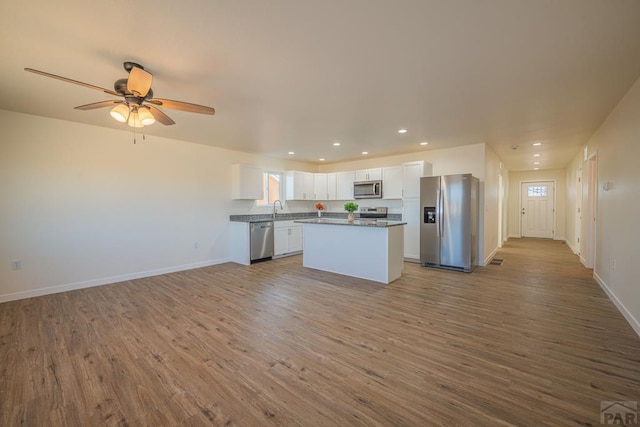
(16, 264)
(196, 245)
(613, 265)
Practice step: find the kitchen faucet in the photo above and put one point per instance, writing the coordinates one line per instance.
(274, 208)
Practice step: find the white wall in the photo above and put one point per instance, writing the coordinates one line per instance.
(574, 203)
(490, 213)
(617, 144)
(83, 205)
(560, 178)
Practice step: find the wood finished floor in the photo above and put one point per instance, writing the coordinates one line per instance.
(532, 342)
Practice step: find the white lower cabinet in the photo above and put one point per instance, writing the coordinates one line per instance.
(280, 240)
(287, 238)
(411, 215)
(295, 238)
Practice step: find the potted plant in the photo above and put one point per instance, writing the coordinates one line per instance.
(320, 208)
(350, 207)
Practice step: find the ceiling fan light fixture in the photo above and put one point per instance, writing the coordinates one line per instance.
(120, 112)
(134, 120)
(145, 117)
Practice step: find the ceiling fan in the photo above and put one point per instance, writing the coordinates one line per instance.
(138, 107)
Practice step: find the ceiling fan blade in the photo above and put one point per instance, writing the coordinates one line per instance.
(95, 105)
(75, 82)
(182, 106)
(139, 82)
(160, 116)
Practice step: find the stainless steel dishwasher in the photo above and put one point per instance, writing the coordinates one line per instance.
(261, 245)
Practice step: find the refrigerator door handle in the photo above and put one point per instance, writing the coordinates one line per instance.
(441, 203)
(438, 213)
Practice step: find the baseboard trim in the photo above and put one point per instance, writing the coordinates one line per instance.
(488, 259)
(573, 248)
(584, 261)
(106, 280)
(513, 236)
(619, 305)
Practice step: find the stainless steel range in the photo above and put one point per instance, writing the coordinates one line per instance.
(373, 213)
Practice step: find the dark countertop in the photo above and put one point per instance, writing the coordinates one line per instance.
(301, 216)
(356, 222)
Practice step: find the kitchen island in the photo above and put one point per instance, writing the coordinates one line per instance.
(367, 249)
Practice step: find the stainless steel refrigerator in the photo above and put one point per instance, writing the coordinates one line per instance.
(449, 221)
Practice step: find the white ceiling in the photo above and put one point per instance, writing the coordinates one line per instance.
(297, 75)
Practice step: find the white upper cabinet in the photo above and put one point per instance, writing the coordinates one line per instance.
(320, 186)
(246, 182)
(411, 174)
(374, 174)
(308, 186)
(392, 182)
(299, 185)
(332, 186)
(344, 185)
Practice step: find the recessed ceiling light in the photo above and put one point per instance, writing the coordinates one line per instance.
(402, 131)
(365, 152)
(424, 143)
(291, 152)
(336, 144)
(536, 163)
(536, 155)
(321, 159)
(537, 144)
(536, 169)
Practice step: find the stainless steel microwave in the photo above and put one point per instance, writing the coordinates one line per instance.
(367, 190)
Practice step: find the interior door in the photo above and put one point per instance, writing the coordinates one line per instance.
(537, 209)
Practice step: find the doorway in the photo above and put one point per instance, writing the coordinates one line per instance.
(537, 210)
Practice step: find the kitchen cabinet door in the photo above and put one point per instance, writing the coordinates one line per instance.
(280, 241)
(320, 186)
(392, 182)
(411, 174)
(374, 174)
(287, 238)
(344, 185)
(411, 215)
(308, 186)
(299, 185)
(295, 238)
(246, 182)
(332, 186)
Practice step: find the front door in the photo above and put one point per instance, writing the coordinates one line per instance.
(537, 209)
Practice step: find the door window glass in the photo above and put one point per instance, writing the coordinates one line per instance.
(537, 191)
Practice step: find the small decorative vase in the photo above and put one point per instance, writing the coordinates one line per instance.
(350, 217)
(319, 214)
